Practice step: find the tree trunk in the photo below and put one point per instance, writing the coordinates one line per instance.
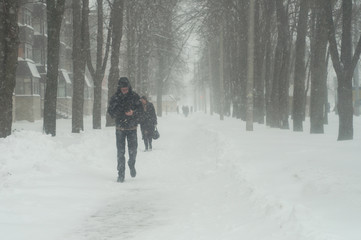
(300, 68)
(250, 69)
(101, 63)
(269, 9)
(117, 31)
(98, 76)
(344, 66)
(284, 73)
(211, 76)
(227, 60)
(8, 62)
(143, 62)
(159, 81)
(80, 19)
(145, 73)
(221, 75)
(356, 82)
(54, 18)
(259, 81)
(279, 95)
(233, 72)
(164, 43)
(131, 41)
(97, 104)
(242, 51)
(356, 75)
(318, 63)
(326, 107)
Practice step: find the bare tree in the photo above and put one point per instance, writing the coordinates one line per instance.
(80, 30)
(356, 75)
(143, 21)
(280, 84)
(344, 66)
(55, 11)
(300, 68)
(8, 61)
(250, 70)
(259, 56)
(132, 20)
(318, 71)
(269, 10)
(117, 32)
(163, 33)
(242, 56)
(98, 72)
(221, 71)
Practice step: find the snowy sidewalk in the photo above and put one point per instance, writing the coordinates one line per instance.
(205, 179)
(181, 192)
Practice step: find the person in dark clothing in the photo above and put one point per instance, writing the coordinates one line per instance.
(126, 108)
(148, 122)
(185, 110)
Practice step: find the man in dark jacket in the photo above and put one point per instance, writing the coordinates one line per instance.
(126, 108)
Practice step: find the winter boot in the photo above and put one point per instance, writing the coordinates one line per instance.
(133, 172)
(120, 179)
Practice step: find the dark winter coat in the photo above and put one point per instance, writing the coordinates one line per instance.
(121, 103)
(148, 120)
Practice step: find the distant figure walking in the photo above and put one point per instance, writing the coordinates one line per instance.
(185, 110)
(148, 122)
(126, 108)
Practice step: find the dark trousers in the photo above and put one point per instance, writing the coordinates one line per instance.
(131, 136)
(147, 142)
(147, 134)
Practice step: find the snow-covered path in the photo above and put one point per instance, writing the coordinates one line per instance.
(181, 188)
(205, 179)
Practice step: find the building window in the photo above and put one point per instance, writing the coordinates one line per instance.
(37, 55)
(27, 17)
(28, 51)
(69, 91)
(27, 86)
(37, 25)
(19, 87)
(23, 86)
(21, 51)
(36, 86)
(61, 89)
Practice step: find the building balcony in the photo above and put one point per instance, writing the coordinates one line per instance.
(26, 34)
(39, 9)
(40, 41)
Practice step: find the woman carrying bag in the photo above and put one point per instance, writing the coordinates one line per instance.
(148, 123)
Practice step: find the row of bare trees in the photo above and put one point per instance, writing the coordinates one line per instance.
(292, 43)
(150, 53)
(147, 52)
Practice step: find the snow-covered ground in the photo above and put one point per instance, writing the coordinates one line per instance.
(205, 179)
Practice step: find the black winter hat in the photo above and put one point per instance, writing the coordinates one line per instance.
(123, 82)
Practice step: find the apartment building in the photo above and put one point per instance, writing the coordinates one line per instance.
(32, 57)
(27, 90)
